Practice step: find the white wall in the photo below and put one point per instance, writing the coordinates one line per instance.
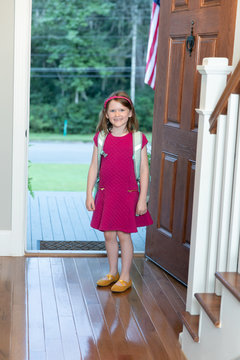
(6, 111)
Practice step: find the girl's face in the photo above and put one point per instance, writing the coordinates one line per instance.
(118, 114)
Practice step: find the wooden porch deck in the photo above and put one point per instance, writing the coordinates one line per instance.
(62, 216)
(51, 308)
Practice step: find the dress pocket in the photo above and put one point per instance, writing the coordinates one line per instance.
(133, 196)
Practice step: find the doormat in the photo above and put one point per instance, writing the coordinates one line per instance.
(72, 245)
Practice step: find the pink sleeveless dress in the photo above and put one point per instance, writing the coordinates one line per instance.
(116, 199)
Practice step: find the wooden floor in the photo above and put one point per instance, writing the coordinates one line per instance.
(62, 315)
(62, 216)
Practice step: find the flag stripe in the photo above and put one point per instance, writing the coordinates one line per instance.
(150, 75)
(153, 53)
(153, 34)
(152, 65)
(153, 82)
(153, 75)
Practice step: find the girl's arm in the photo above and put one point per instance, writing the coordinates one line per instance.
(144, 178)
(92, 176)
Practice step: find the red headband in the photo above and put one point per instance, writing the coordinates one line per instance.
(116, 97)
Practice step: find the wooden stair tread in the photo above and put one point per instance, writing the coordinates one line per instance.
(211, 304)
(192, 324)
(231, 280)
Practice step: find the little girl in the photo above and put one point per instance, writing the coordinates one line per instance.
(118, 208)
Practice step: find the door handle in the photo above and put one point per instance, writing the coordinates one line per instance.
(190, 41)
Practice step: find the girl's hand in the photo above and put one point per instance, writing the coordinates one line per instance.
(141, 208)
(90, 204)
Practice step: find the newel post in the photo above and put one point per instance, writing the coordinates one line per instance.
(214, 73)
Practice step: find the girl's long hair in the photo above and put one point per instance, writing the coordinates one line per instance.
(104, 123)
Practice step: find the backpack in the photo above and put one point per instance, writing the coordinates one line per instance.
(137, 148)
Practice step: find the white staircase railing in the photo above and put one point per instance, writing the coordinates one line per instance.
(216, 204)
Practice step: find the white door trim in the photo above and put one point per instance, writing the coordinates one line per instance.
(13, 241)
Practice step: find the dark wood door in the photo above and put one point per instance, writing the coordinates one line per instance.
(175, 122)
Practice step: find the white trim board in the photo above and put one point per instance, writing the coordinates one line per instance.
(13, 241)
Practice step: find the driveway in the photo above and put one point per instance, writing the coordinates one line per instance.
(60, 152)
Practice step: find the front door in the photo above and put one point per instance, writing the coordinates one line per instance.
(175, 123)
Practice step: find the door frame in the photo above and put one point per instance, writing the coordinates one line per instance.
(22, 66)
(13, 242)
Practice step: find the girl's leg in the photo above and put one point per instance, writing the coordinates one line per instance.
(112, 251)
(126, 254)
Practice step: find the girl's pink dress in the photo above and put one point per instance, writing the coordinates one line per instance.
(116, 199)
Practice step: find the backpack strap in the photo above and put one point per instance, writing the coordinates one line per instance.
(137, 151)
(137, 148)
(101, 140)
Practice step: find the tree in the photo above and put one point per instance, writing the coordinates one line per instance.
(82, 51)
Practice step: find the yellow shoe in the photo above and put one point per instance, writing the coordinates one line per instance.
(121, 286)
(107, 280)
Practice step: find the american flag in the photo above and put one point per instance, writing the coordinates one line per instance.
(150, 75)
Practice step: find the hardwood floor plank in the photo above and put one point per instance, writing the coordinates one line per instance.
(126, 335)
(55, 219)
(52, 332)
(112, 316)
(36, 341)
(67, 326)
(98, 321)
(180, 288)
(145, 324)
(86, 282)
(174, 297)
(6, 290)
(18, 349)
(157, 316)
(148, 317)
(81, 317)
(163, 292)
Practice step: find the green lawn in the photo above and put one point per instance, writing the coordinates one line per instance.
(58, 177)
(60, 137)
(70, 137)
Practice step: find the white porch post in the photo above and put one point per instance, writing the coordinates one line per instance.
(214, 76)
